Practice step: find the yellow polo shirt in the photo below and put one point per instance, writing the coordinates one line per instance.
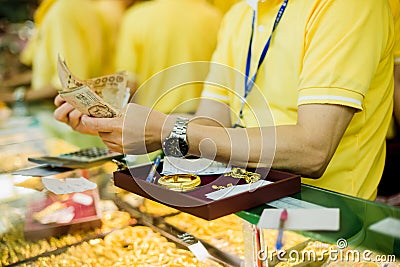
(321, 53)
(224, 5)
(156, 35)
(75, 30)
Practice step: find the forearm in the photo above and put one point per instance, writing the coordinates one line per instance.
(275, 147)
(305, 148)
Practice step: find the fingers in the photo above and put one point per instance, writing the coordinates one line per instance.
(109, 136)
(113, 147)
(112, 141)
(99, 124)
(74, 118)
(58, 101)
(62, 112)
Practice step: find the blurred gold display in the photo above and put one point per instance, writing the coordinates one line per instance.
(156, 209)
(228, 239)
(14, 248)
(115, 219)
(31, 182)
(19, 146)
(130, 246)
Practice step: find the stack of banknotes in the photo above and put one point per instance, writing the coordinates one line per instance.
(101, 97)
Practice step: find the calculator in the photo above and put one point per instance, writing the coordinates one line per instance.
(78, 159)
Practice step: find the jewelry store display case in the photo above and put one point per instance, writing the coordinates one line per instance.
(133, 229)
(225, 238)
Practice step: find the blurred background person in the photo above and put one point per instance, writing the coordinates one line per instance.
(83, 33)
(73, 29)
(15, 30)
(158, 34)
(112, 12)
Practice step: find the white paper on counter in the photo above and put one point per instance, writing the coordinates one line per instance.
(327, 219)
(236, 189)
(199, 251)
(68, 185)
(389, 226)
(200, 166)
(293, 203)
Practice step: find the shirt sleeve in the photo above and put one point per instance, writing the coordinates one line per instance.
(342, 55)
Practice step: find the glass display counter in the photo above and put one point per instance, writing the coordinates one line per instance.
(363, 224)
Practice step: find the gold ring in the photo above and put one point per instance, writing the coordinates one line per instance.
(180, 182)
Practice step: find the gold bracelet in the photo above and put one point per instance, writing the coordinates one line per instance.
(239, 173)
(180, 182)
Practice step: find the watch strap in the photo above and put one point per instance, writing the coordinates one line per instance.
(180, 127)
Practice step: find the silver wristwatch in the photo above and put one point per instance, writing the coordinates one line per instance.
(176, 145)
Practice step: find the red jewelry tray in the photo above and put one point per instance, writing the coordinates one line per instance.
(196, 203)
(86, 217)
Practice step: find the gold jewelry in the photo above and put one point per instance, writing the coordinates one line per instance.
(180, 182)
(218, 187)
(239, 173)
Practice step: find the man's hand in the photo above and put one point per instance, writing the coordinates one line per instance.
(69, 115)
(139, 131)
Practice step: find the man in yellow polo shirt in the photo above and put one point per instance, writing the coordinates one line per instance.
(320, 107)
(327, 75)
(155, 35)
(76, 30)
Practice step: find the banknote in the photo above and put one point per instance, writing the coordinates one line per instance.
(110, 89)
(67, 79)
(85, 100)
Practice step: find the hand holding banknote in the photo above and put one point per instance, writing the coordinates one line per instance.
(100, 97)
(70, 116)
(85, 100)
(86, 106)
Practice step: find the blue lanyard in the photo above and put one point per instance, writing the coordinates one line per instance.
(249, 83)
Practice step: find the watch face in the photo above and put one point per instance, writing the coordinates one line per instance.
(184, 148)
(175, 147)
